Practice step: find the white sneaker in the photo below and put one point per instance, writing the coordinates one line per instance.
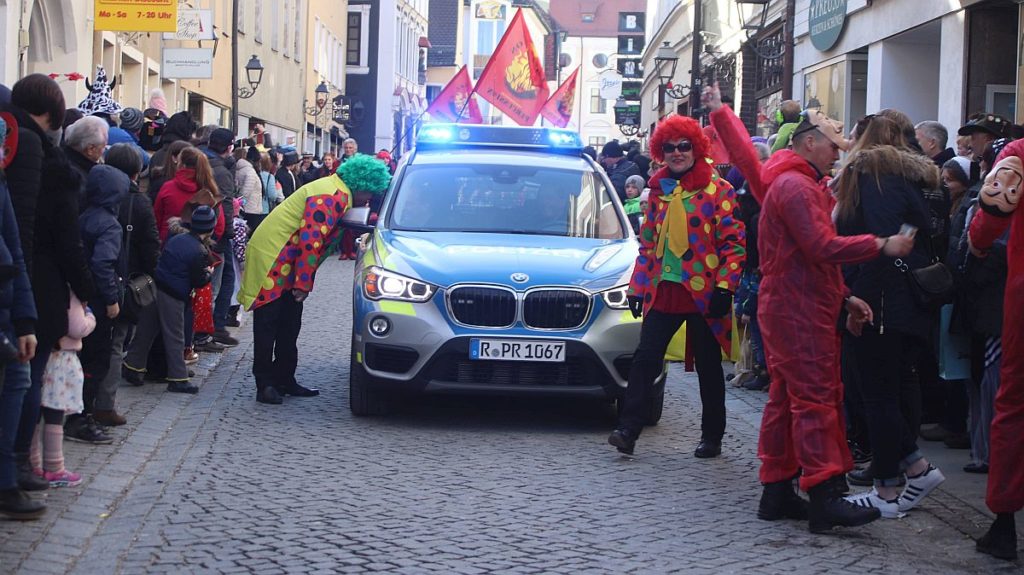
(919, 487)
(872, 500)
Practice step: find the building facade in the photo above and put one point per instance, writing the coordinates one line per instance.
(386, 86)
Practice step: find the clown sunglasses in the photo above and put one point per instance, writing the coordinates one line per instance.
(683, 147)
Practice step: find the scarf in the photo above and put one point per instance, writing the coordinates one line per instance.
(674, 230)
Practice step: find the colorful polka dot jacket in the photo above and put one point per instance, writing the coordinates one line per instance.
(692, 236)
(289, 245)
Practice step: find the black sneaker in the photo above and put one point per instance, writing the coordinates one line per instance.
(132, 376)
(182, 387)
(16, 504)
(224, 338)
(85, 430)
(210, 346)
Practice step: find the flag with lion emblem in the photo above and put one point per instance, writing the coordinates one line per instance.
(513, 80)
(558, 110)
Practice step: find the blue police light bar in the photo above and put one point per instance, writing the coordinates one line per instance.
(461, 136)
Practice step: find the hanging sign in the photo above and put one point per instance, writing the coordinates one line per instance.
(193, 25)
(136, 15)
(825, 21)
(187, 63)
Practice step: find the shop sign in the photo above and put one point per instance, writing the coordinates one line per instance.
(136, 15)
(630, 67)
(193, 25)
(826, 19)
(631, 45)
(631, 22)
(187, 63)
(628, 114)
(609, 85)
(631, 90)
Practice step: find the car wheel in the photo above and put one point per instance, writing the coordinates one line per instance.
(655, 404)
(363, 399)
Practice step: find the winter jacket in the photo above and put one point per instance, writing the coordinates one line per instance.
(145, 239)
(81, 165)
(981, 286)
(289, 181)
(24, 177)
(118, 136)
(894, 198)
(271, 190)
(179, 127)
(17, 306)
(250, 190)
(224, 174)
(714, 256)
(60, 261)
(172, 199)
(101, 232)
(621, 172)
(182, 266)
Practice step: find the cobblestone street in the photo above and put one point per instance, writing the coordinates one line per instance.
(218, 483)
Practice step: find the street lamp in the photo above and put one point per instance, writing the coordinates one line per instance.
(254, 74)
(665, 62)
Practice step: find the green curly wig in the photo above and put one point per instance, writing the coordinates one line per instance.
(365, 173)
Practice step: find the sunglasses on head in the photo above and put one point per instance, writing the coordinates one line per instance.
(683, 147)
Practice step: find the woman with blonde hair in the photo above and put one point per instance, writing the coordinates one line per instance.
(880, 192)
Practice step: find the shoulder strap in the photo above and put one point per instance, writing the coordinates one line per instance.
(126, 247)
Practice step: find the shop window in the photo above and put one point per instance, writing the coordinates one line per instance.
(598, 105)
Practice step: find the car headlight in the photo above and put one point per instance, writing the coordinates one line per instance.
(615, 298)
(379, 283)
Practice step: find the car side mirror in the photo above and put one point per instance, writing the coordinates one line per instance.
(357, 219)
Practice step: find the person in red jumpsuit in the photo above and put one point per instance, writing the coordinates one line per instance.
(999, 199)
(802, 293)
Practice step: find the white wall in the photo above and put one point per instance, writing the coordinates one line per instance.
(952, 72)
(908, 79)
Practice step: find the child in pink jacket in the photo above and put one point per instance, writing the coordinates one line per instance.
(62, 394)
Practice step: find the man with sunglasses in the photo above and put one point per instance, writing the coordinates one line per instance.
(802, 295)
(691, 255)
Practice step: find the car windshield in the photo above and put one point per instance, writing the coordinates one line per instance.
(505, 199)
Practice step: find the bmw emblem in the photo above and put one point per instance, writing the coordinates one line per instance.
(520, 277)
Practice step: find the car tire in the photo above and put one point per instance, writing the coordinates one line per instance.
(655, 404)
(363, 400)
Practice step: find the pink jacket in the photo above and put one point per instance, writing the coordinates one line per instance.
(81, 322)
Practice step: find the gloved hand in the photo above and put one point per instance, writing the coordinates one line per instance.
(721, 300)
(636, 305)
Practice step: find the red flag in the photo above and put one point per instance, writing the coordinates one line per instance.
(450, 102)
(513, 80)
(558, 109)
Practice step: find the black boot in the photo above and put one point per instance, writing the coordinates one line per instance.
(624, 440)
(269, 395)
(828, 509)
(16, 504)
(182, 387)
(27, 480)
(779, 501)
(1000, 541)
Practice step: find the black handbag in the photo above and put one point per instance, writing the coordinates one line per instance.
(931, 286)
(139, 289)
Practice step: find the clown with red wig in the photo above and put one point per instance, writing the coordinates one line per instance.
(691, 256)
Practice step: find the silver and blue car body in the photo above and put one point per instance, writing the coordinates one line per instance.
(473, 290)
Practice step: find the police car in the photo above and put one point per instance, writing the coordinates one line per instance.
(498, 265)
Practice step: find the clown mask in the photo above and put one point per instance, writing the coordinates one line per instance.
(1002, 189)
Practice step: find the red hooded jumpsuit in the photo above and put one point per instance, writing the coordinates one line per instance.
(1006, 449)
(801, 296)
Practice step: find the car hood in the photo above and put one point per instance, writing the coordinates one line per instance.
(444, 259)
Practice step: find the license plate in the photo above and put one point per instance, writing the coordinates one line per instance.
(517, 350)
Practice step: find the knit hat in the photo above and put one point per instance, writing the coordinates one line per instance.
(221, 139)
(960, 167)
(158, 100)
(636, 181)
(204, 219)
(612, 150)
(131, 120)
(99, 100)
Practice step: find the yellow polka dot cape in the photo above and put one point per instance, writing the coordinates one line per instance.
(693, 237)
(289, 245)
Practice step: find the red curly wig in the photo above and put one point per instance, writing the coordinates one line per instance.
(679, 127)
